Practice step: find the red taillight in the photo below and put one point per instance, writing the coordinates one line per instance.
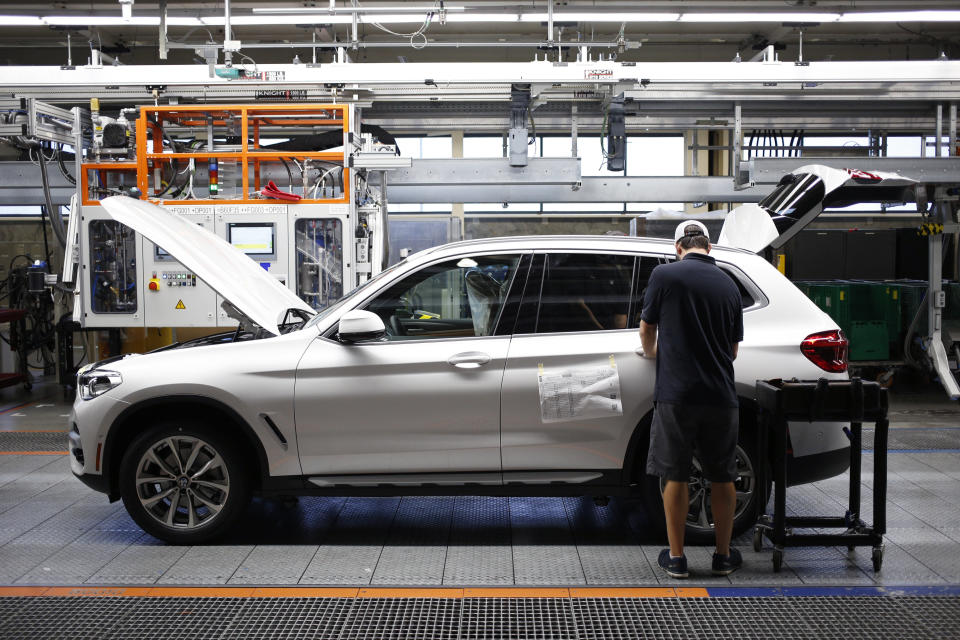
(827, 350)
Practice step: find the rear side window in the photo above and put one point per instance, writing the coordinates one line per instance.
(746, 295)
(578, 292)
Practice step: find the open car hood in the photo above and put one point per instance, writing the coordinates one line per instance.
(245, 285)
(801, 196)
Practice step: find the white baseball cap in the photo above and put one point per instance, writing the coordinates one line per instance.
(681, 229)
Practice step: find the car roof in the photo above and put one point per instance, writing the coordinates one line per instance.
(589, 242)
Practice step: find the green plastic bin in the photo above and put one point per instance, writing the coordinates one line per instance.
(869, 340)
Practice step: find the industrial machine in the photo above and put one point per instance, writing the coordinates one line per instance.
(286, 184)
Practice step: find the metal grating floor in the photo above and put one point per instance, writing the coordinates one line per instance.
(12, 441)
(843, 618)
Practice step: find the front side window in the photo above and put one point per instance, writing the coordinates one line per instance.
(458, 298)
(585, 292)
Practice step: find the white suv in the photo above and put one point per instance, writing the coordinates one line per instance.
(507, 366)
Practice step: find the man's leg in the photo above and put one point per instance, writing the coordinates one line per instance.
(676, 504)
(723, 502)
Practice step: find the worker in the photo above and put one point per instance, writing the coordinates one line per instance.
(692, 324)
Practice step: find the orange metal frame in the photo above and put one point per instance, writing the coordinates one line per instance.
(101, 166)
(251, 117)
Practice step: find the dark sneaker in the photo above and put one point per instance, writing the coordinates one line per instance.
(675, 567)
(725, 565)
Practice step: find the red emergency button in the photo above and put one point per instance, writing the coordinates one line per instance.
(154, 284)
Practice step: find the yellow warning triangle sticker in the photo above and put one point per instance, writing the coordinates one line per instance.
(179, 305)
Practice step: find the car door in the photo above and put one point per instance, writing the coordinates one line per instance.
(426, 399)
(576, 385)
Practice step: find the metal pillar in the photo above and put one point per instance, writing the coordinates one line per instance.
(573, 130)
(939, 143)
(737, 143)
(384, 221)
(163, 30)
(952, 128)
(227, 35)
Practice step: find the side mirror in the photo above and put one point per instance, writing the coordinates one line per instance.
(359, 326)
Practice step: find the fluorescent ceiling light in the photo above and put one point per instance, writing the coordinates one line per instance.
(595, 16)
(395, 18)
(902, 16)
(21, 21)
(483, 17)
(315, 18)
(759, 17)
(336, 10)
(101, 21)
(183, 21)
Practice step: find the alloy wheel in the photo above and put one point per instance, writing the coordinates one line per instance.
(182, 482)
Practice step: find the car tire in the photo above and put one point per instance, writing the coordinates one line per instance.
(698, 533)
(184, 483)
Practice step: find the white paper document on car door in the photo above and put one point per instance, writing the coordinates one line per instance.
(579, 394)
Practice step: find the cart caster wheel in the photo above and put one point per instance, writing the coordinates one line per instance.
(777, 560)
(757, 539)
(877, 557)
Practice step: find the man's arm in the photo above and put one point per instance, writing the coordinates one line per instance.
(736, 349)
(648, 338)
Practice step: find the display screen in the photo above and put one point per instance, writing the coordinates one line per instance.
(253, 238)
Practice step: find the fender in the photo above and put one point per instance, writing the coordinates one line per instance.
(121, 433)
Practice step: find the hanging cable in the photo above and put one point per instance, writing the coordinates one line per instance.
(419, 33)
(56, 220)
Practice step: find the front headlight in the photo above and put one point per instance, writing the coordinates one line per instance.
(91, 384)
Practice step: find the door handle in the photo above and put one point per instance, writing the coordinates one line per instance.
(469, 359)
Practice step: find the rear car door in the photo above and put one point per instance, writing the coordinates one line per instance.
(575, 384)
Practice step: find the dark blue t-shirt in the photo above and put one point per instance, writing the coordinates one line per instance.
(699, 316)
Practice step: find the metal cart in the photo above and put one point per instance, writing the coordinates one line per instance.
(853, 400)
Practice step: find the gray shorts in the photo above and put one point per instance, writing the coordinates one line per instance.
(680, 430)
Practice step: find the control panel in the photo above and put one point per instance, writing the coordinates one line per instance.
(173, 295)
(175, 278)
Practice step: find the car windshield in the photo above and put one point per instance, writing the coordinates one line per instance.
(369, 284)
